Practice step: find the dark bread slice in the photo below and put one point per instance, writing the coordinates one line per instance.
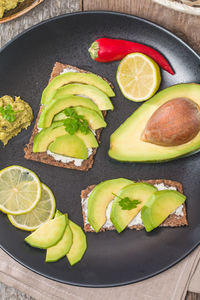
(172, 220)
(48, 159)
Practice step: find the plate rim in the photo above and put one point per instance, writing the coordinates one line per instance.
(90, 12)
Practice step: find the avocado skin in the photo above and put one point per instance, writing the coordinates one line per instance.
(146, 152)
(158, 161)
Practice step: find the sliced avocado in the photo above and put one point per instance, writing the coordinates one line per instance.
(71, 77)
(58, 214)
(47, 135)
(59, 104)
(59, 250)
(126, 142)
(69, 145)
(89, 139)
(79, 244)
(136, 191)
(94, 120)
(159, 206)
(89, 91)
(99, 199)
(48, 234)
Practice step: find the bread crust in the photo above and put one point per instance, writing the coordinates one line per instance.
(171, 221)
(43, 157)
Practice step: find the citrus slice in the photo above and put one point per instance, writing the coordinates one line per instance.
(20, 190)
(138, 77)
(43, 212)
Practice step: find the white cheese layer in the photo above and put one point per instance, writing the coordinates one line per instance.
(67, 70)
(66, 159)
(137, 220)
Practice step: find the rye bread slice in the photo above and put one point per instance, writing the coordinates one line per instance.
(43, 157)
(172, 220)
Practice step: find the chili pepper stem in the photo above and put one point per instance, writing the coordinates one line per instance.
(93, 50)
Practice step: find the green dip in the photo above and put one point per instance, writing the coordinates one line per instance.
(23, 117)
(6, 5)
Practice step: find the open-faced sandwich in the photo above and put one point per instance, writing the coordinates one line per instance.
(70, 120)
(120, 203)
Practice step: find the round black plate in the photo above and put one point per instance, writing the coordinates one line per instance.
(111, 259)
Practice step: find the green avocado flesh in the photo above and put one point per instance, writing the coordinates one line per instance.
(58, 105)
(48, 234)
(79, 244)
(89, 91)
(99, 199)
(69, 145)
(94, 120)
(159, 206)
(58, 214)
(126, 143)
(58, 251)
(136, 191)
(47, 135)
(75, 77)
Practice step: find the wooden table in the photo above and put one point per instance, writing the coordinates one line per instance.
(184, 26)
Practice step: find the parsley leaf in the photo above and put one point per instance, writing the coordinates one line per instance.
(8, 113)
(75, 122)
(71, 125)
(126, 203)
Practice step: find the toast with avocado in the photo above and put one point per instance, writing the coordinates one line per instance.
(70, 120)
(100, 210)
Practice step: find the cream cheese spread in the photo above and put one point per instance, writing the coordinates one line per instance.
(137, 220)
(66, 159)
(67, 70)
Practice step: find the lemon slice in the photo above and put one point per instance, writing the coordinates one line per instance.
(43, 212)
(20, 190)
(138, 77)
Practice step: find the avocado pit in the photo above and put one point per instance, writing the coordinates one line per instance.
(174, 123)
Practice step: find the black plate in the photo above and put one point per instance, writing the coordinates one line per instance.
(111, 259)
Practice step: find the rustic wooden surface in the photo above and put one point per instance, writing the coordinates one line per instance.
(46, 10)
(185, 26)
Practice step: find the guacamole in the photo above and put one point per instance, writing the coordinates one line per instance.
(15, 115)
(6, 5)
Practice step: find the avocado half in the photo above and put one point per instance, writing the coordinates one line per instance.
(126, 143)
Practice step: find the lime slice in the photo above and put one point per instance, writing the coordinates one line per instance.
(138, 77)
(43, 212)
(20, 190)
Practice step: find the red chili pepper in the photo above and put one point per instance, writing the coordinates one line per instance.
(106, 50)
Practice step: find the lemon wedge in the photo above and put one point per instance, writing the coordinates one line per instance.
(138, 77)
(43, 212)
(20, 190)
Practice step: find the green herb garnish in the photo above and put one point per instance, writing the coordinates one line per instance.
(8, 113)
(75, 122)
(126, 203)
